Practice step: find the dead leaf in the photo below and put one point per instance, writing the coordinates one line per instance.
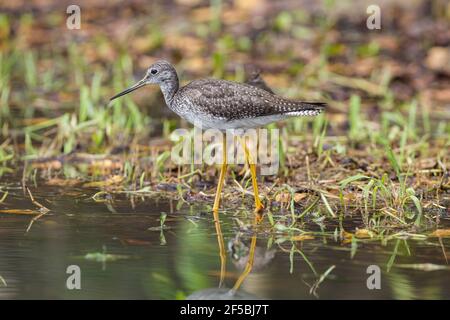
(427, 163)
(348, 236)
(18, 211)
(114, 180)
(62, 182)
(440, 233)
(283, 197)
(302, 237)
(438, 59)
(300, 196)
(359, 233)
(106, 164)
(52, 164)
(363, 234)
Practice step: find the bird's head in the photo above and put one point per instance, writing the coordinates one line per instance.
(161, 72)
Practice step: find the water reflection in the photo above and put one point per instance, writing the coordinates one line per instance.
(197, 260)
(246, 258)
(221, 243)
(239, 249)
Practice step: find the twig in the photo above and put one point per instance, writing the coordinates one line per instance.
(24, 176)
(3, 282)
(443, 249)
(308, 170)
(42, 209)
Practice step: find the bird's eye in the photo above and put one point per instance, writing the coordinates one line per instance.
(153, 71)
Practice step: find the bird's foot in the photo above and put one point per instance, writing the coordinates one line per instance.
(259, 215)
(259, 207)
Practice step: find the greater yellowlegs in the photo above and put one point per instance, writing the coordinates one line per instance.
(222, 104)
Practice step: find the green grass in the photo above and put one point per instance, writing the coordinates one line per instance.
(54, 101)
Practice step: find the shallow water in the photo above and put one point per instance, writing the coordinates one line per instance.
(183, 259)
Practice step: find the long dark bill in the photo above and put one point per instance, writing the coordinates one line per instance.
(130, 89)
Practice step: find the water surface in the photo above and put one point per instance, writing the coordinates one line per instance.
(182, 260)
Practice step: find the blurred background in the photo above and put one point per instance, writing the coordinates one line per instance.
(312, 50)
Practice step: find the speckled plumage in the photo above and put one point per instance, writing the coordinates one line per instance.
(222, 104)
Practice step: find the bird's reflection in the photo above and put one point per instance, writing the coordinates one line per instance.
(248, 266)
(240, 249)
(221, 243)
(245, 256)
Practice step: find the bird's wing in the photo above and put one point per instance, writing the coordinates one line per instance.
(231, 100)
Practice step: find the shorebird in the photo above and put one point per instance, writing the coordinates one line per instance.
(222, 104)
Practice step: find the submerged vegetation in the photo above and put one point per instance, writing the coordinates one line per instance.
(379, 155)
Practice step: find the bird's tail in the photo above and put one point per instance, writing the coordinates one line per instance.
(307, 109)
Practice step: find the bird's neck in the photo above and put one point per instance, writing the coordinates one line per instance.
(169, 88)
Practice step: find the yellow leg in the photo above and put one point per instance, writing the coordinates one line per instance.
(222, 252)
(248, 266)
(251, 256)
(223, 172)
(258, 205)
